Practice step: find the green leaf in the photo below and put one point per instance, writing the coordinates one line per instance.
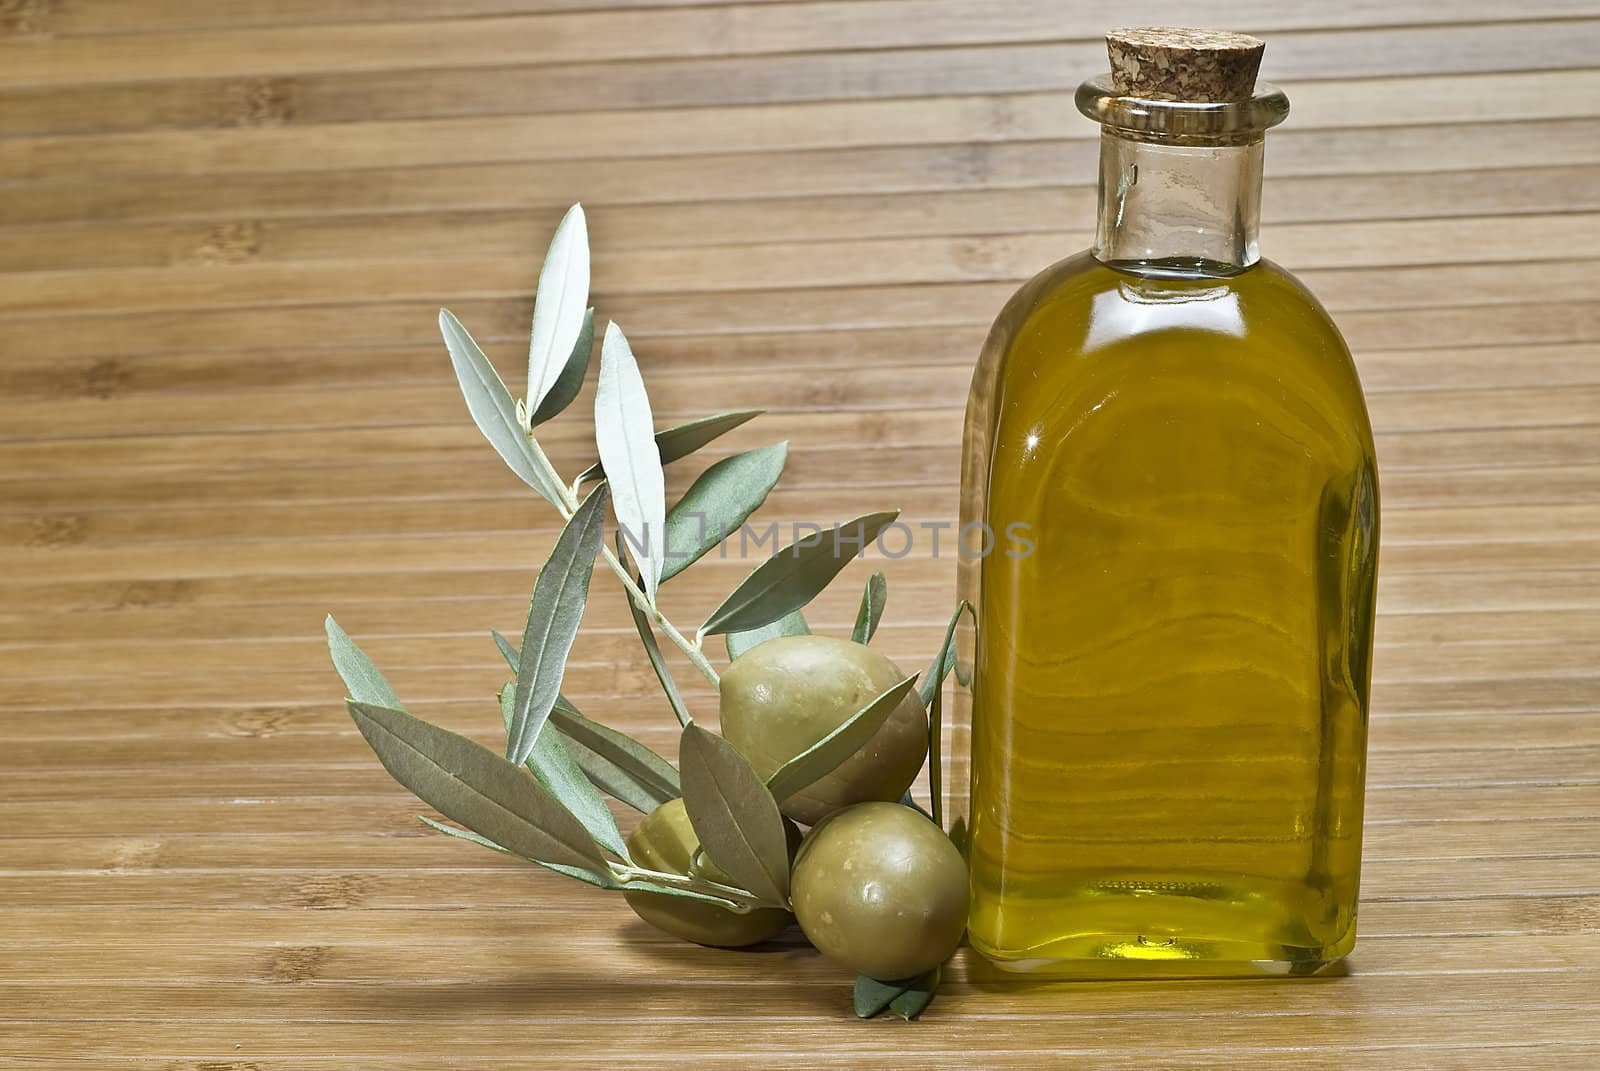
(598, 880)
(907, 800)
(681, 440)
(558, 307)
(552, 764)
(792, 624)
(493, 409)
(624, 431)
(945, 660)
(361, 678)
(795, 575)
(462, 834)
(559, 595)
(508, 705)
(873, 600)
(616, 763)
(873, 996)
(908, 998)
(932, 695)
(826, 754)
(718, 502)
(734, 815)
(470, 784)
(916, 996)
(652, 650)
(507, 651)
(570, 382)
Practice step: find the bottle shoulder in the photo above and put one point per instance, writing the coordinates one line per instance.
(1081, 341)
(1083, 313)
(1077, 285)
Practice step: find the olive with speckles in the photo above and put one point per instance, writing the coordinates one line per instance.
(666, 842)
(782, 696)
(881, 890)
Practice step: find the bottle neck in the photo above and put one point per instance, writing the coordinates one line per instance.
(1178, 209)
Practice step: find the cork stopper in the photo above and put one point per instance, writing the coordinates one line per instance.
(1169, 63)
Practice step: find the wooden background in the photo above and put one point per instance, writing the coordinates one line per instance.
(225, 410)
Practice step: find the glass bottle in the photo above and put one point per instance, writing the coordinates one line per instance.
(1168, 445)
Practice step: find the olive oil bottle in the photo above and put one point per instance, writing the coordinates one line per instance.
(1169, 698)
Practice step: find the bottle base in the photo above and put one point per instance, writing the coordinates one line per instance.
(1167, 926)
(1111, 965)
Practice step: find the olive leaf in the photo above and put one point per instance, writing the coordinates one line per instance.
(936, 757)
(598, 879)
(493, 409)
(652, 650)
(873, 997)
(360, 676)
(681, 440)
(873, 600)
(552, 764)
(558, 306)
(624, 433)
(932, 695)
(468, 783)
(908, 998)
(734, 815)
(945, 660)
(616, 763)
(462, 834)
(559, 595)
(367, 685)
(821, 758)
(791, 624)
(717, 503)
(570, 382)
(794, 576)
(512, 656)
(907, 800)
(918, 993)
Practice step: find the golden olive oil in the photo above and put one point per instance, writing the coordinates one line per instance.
(1170, 701)
(1168, 711)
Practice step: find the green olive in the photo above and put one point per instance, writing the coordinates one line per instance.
(665, 841)
(881, 890)
(782, 696)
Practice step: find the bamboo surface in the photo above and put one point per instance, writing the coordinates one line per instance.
(225, 411)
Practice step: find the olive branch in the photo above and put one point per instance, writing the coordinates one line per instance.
(559, 817)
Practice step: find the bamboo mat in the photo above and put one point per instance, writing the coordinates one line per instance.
(225, 410)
